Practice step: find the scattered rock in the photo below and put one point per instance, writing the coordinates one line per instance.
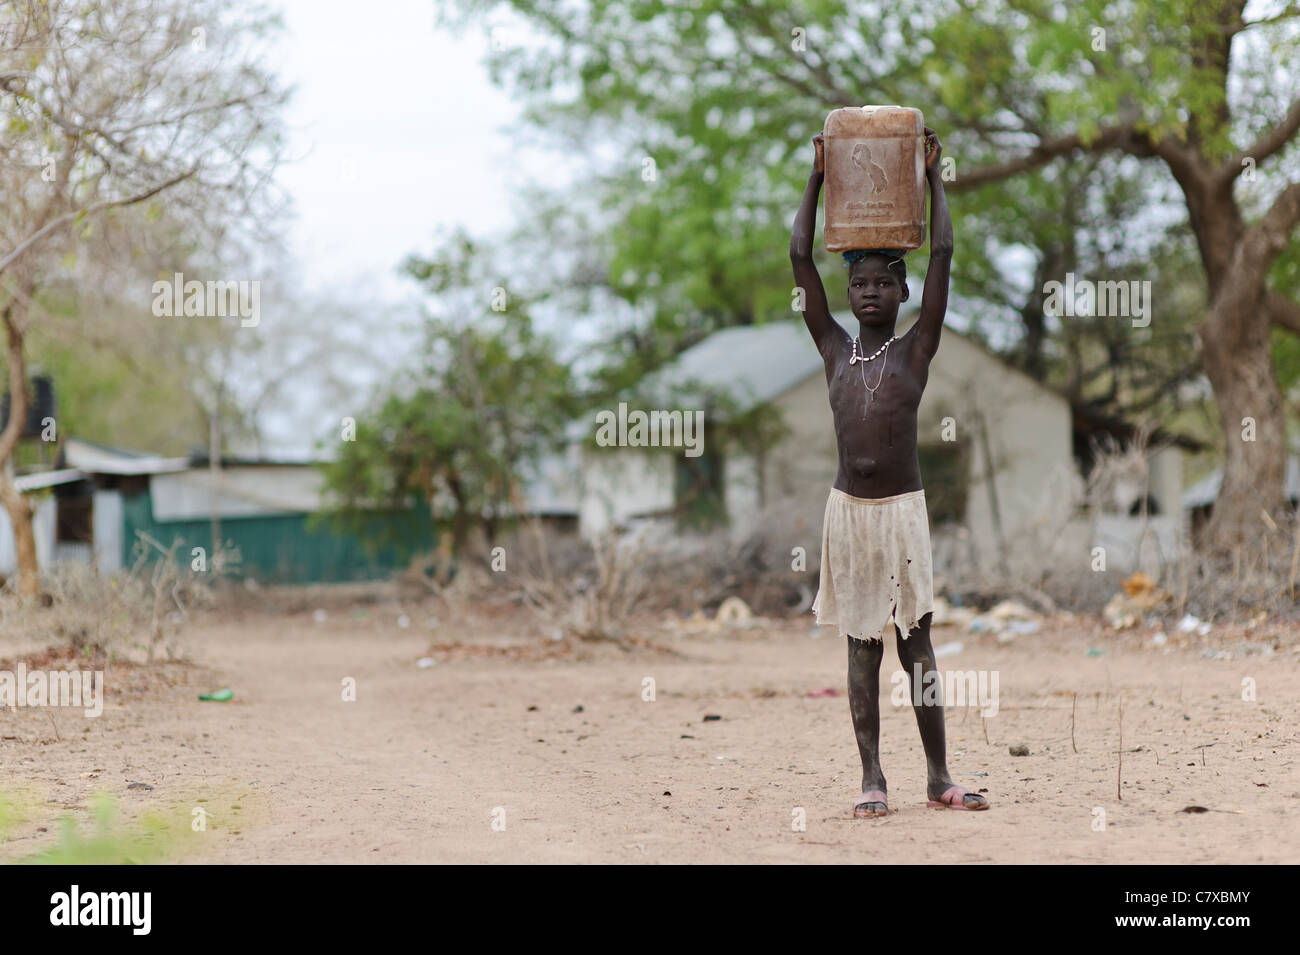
(1018, 749)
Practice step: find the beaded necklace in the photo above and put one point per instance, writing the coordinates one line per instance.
(855, 358)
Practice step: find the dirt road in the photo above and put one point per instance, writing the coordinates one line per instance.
(485, 756)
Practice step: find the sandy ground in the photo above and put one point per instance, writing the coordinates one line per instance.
(424, 761)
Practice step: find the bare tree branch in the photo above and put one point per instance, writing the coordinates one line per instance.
(1265, 146)
(91, 209)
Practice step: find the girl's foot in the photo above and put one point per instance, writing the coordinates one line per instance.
(870, 804)
(956, 797)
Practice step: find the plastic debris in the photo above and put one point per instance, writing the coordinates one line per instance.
(1143, 592)
(425, 662)
(950, 649)
(1190, 624)
(1009, 616)
(1011, 610)
(1120, 612)
(223, 695)
(733, 610)
(947, 615)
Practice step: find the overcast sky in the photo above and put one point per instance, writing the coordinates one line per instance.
(398, 130)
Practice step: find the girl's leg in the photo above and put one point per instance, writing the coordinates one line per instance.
(864, 704)
(917, 656)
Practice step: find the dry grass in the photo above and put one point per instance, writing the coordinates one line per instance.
(138, 612)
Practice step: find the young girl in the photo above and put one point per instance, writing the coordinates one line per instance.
(875, 570)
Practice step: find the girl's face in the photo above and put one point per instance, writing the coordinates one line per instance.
(875, 291)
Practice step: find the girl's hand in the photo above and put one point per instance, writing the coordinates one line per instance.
(819, 155)
(933, 149)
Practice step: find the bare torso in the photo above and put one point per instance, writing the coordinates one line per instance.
(877, 453)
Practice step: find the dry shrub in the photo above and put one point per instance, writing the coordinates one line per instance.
(592, 588)
(1045, 561)
(1261, 576)
(102, 615)
(1048, 565)
(586, 589)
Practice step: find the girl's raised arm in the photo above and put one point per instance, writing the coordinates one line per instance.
(816, 311)
(934, 299)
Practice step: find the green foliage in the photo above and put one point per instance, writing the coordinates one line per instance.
(153, 838)
(86, 364)
(462, 427)
(725, 97)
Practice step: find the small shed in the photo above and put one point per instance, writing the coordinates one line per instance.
(102, 498)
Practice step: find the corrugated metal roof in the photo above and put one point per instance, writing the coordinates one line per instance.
(749, 363)
(103, 459)
(32, 482)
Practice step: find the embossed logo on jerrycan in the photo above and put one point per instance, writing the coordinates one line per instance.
(875, 178)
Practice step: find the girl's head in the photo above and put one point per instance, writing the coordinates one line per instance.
(877, 284)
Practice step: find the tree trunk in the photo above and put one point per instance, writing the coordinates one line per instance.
(20, 516)
(17, 504)
(1238, 360)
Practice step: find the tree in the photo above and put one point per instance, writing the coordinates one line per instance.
(723, 97)
(108, 109)
(466, 423)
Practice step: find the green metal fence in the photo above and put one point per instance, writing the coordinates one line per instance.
(292, 548)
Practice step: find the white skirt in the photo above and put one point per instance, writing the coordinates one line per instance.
(875, 564)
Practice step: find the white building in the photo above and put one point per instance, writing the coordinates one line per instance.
(998, 450)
